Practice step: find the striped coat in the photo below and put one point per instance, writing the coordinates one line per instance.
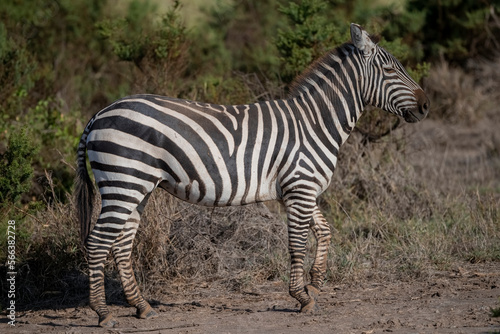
(217, 155)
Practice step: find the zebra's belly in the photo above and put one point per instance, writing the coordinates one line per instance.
(197, 193)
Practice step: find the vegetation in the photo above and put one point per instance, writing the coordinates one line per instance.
(400, 205)
(15, 168)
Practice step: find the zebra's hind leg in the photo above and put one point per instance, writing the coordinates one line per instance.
(122, 251)
(321, 231)
(98, 246)
(112, 220)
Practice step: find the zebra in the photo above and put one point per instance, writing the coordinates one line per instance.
(225, 155)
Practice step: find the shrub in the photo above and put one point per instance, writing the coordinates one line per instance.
(157, 49)
(308, 36)
(16, 173)
(15, 168)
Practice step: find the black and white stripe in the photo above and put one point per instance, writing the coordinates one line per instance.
(217, 155)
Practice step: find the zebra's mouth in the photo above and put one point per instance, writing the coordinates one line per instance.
(420, 110)
(410, 117)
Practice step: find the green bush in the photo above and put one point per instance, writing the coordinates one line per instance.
(309, 35)
(16, 170)
(16, 173)
(157, 49)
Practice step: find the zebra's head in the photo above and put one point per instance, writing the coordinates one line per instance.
(387, 85)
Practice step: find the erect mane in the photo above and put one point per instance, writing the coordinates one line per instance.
(300, 80)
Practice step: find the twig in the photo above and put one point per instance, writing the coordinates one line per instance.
(29, 214)
(63, 160)
(51, 182)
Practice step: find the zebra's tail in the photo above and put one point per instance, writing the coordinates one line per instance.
(84, 190)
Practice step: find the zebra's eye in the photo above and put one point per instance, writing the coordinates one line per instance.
(389, 70)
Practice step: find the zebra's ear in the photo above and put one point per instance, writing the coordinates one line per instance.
(361, 39)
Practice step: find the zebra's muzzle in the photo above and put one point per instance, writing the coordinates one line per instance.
(421, 110)
(423, 104)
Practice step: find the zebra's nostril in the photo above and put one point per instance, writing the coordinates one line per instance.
(422, 101)
(425, 107)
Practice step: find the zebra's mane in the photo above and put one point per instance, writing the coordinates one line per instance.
(300, 81)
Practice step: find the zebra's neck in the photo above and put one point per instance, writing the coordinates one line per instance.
(330, 93)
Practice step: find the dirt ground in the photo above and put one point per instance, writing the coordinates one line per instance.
(455, 301)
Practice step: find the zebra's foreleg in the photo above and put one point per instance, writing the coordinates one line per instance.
(299, 216)
(122, 251)
(321, 231)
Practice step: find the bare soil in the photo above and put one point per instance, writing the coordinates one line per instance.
(455, 301)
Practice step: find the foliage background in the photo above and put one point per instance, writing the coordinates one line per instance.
(62, 61)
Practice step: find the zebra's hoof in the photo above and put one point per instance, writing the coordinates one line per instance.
(312, 291)
(147, 313)
(107, 321)
(310, 308)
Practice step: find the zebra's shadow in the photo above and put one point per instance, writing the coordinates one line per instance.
(219, 307)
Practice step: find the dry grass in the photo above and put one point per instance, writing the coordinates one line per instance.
(422, 199)
(455, 95)
(184, 242)
(49, 261)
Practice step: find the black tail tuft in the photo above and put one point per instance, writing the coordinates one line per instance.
(84, 193)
